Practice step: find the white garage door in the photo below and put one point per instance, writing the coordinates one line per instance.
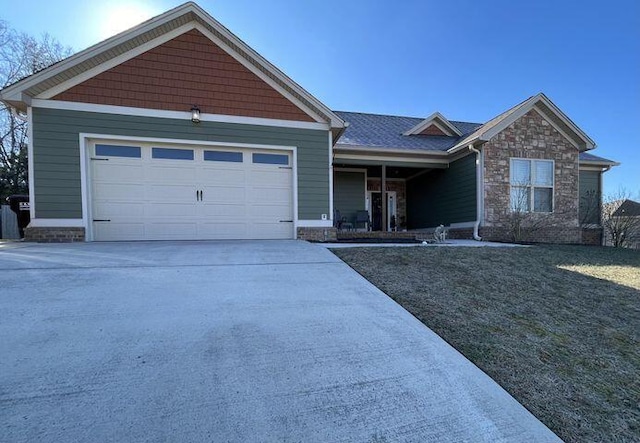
(162, 192)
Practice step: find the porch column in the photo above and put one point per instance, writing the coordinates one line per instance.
(383, 193)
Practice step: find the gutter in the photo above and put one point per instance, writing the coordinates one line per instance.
(479, 180)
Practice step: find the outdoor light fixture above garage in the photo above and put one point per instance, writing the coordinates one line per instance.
(195, 114)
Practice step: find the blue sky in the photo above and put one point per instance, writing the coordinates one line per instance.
(468, 59)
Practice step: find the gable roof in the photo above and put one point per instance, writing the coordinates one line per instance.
(128, 44)
(439, 121)
(628, 208)
(543, 105)
(386, 132)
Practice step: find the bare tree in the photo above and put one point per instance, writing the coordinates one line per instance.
(20, 56)
(523, 222)
(590, 208)
(622, 227)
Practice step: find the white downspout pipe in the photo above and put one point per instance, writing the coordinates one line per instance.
(479, 189)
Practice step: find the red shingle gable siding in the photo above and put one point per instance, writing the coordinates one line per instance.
(432, 130)
(190, 69)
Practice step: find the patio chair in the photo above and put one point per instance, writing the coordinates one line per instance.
(340, 222)
(362, 217)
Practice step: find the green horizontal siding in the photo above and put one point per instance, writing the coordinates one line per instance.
(349, 193)
(443, 196)
(590, 197)
(56, 155)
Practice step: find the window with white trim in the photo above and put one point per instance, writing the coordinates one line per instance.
(531, 185)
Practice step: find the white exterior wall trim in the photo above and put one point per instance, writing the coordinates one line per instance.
(30, 165)
(57, 223)
(186, 115)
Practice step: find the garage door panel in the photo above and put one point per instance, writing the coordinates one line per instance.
(171, 230)
(166, 193)
(223, 230)
(267, 212)
(221, 176)
(126, 173)
(233, 211)
(223, 194)
(275, 195)
(158, 199)
(177, 176)
(261, 177)
(171, 210)
(117, 192)
(113, 209)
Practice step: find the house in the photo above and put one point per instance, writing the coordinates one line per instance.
(176, 129)
(622, 223)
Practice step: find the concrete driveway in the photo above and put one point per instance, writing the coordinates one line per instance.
(227, 341)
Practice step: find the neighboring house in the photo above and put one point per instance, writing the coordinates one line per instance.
(176, 129)
(623, 223)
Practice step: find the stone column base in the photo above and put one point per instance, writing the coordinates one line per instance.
(43, 234)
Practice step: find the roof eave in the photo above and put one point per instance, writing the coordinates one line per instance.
(598, 163)
(387, 150)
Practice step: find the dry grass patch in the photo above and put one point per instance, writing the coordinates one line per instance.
(558, 326)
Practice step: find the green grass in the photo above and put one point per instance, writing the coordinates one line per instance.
(556, 326)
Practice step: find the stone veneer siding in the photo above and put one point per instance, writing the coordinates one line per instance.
(54, 235)
(531, 137)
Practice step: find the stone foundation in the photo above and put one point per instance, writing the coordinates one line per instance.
(560, 235)
(317, 234)
(592, 236)
(385, 235)
(54, 235)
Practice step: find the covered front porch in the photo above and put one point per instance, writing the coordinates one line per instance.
(419, 194)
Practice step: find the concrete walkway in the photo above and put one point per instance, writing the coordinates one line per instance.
(227, 341)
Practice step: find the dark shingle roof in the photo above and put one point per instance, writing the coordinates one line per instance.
(385, 131)
(628, 208)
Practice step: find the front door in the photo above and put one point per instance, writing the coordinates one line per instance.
(376, 211)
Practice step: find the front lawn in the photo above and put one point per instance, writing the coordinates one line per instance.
(556, 326)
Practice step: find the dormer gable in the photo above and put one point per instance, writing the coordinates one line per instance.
(435, 124)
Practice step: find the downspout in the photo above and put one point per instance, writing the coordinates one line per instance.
(479, 188)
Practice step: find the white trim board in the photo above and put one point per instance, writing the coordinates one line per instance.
(186, 115)
(31, 164)
(57, 223)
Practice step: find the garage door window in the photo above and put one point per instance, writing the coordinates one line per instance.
(118, 151)
(172, 154)
(271, 159)
(223, 156)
